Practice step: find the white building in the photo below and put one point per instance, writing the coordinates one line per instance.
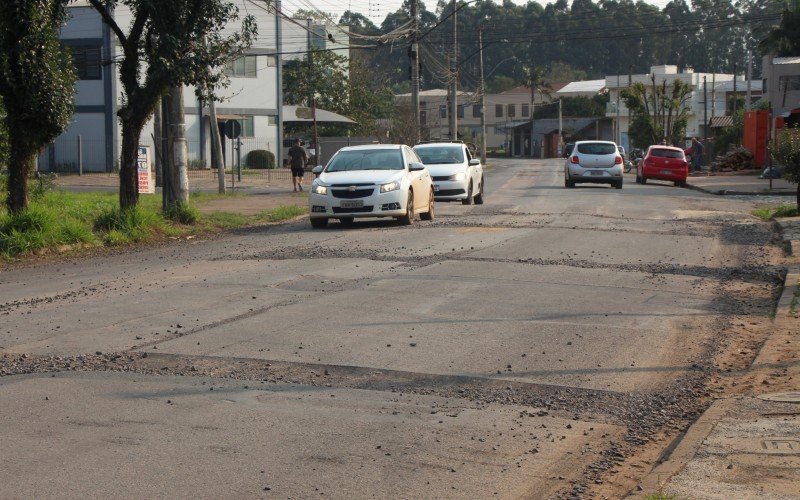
(717, 87)
(93, 137)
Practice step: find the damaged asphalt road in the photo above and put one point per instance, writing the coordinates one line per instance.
(549, 343)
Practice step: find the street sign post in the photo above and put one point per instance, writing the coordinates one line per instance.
(144, 173)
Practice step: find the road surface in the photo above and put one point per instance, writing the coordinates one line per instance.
(532, 346)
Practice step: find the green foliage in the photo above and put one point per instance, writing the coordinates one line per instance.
(658, 112)
(197, 164)
(182, 214)
(730, 136)
(785, 152)
(43, 184)
(38, 227)
(127, 225)
(576, 107)
(37, 85)
(500, 83)
(282, 213)
(770, 212)
(784, 39)
(4, 149)
(260, 159)
(321, 74)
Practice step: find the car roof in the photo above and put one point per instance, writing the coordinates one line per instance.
(440, 144)
(661, 146)
(371, 146)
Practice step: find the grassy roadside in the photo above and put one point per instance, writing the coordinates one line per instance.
(59, 221)
(770, 212)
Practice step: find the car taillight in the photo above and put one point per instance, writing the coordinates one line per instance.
(618, 160)
(574, 160)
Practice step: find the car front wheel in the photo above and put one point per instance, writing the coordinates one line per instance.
(429, 214)
(319, 223)
(479, 196)
(408, 218)
(468, 200)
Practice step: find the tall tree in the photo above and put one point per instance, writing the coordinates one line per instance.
(657, 112)
(168, 44)
(37, 86)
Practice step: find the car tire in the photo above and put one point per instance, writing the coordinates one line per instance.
(346, 221)
(618, 184)
(680, 184)
(638, 178)
(408, 218)
(569, 183)
(430, 213)
(479, 196)
(468, 200)
(644, 180)
(318, 223)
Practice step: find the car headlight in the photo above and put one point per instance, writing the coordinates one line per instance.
(457, 177)
(320, 189)
(391, 186)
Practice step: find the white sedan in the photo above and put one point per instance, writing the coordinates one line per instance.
(457, 176)
(376, 180)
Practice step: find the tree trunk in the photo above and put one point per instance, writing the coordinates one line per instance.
(216, 147)
(21, 164)
(128, 177)
(178, 193)
(158, 153)
(798, 196)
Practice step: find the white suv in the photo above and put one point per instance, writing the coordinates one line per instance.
(456, 174)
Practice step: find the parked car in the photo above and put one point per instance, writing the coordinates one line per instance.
(596, 162)
(664, 163)
(457, 176)
(376, 180)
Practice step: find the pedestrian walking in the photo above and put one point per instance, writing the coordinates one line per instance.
(297, 162)
(697, 154)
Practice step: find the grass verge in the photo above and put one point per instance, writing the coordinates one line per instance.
(770, 212)
(58, 221)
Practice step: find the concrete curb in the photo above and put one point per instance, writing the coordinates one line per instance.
(685, 446)
(725, 192)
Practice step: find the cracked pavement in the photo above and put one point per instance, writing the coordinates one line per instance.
(529, 347)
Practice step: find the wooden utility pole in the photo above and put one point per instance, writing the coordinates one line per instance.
(483, 99)
(454, 80)
(413, 55)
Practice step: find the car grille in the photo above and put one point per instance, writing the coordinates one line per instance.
(346, 193)
(440, 178)
(449, 192)
(340, 210)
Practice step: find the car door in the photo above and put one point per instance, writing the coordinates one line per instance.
(476, 170)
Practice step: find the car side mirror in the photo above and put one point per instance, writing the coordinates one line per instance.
(416, 167)
(474, 162)
(317, 170)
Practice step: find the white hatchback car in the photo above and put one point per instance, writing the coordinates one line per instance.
(457, 176)
(593, 161)
(376, 180)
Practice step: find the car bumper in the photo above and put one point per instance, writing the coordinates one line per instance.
(450, 190)
(596, 175)
(666, 174)
(327, 206)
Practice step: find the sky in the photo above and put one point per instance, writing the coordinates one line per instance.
(376, 10)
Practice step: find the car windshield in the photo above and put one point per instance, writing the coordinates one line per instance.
(597, 148)
(440, 155)
(666, 153)
(366, 159)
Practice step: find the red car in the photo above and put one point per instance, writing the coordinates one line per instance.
(663, 163)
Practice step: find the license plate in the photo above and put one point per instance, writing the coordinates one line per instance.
(435, 188)
(595, 172)
(352, 204)
(666, 172)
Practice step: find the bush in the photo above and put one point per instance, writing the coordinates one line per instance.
(786, 153)
(197, 164)
(260, 159)
(127, 225)
(184, 214)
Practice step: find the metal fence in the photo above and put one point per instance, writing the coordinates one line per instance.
(75, 154)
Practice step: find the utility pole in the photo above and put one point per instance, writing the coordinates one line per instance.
(630, 83)
(748, 100)
(454, 81)
(735, 95)
(483, 99)
(313, 98)
(532, 138)
(178, 192)
(713, 95)
(705, 111)
(157, 134)
(619, 129)
(560, 128)
(413, 55)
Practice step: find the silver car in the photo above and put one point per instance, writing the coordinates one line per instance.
(598, 162)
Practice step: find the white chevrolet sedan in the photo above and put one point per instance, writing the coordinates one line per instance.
(377, 180)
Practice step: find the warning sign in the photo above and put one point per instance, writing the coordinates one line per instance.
(146, 184)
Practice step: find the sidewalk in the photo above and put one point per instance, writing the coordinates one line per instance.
(748, 446)
(739, 184)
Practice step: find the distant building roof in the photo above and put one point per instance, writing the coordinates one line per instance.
(522, 89)
(721, 121)
(433, 93)
(786, 60)
(582, 88)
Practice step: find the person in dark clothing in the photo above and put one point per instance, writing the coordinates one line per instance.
(697, 154)
(297, 161)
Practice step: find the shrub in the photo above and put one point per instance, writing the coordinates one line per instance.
(26, 231)
(184, 214)
(127, 225)
(786, 153)
(260, 159)
(197, 164)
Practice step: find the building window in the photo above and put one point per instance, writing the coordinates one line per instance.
(86, 59)
(272, 120)
(442, 111)
(423, 117)
(789, 83)
(247, 126)
(512, 110)
(242, 67)
(272, 61)
(526, 110)
(498, 110)
(460, 111)
(476, 111)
